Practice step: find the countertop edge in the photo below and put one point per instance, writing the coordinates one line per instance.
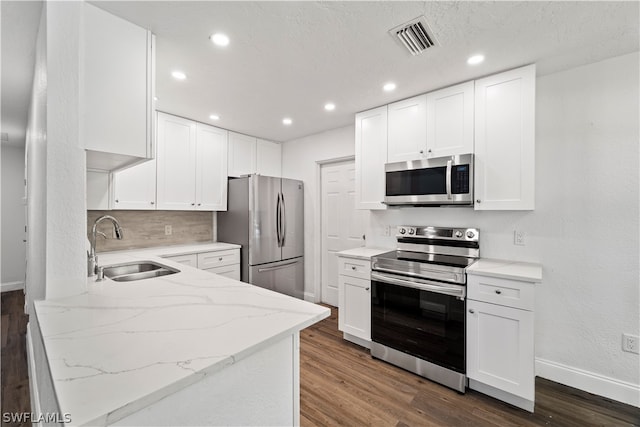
(507, 269)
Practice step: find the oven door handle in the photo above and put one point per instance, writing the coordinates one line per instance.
(420, 284)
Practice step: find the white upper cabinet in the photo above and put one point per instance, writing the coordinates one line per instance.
(505, 140)
(268, 158)
(211, 168)
(450, 121)
(135, 187)
(192, 169)
(371, 155)
(176, 147)
(116, 90)
(407, 139)
(242, 154)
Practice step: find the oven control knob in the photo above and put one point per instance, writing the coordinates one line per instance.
(458, 234)
(470, 234)
(412, 231)
(402, 231)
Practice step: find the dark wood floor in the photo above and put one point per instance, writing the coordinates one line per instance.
(13, 371)
(342, 385)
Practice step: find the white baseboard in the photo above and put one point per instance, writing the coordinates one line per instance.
(601, 385)
(33, 382)
(11, 286)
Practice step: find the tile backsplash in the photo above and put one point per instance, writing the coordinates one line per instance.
(145, 229)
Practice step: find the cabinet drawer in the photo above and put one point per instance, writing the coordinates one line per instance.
(190, 259)
(230, 271)
(209, 260)
(354, 267)
(510, 293)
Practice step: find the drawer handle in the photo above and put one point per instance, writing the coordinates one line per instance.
(366, 289)
(471, 311)
(220, 259)
(353, 267)
(498, 291)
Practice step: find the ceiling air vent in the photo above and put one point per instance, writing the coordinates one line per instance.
(415, 35)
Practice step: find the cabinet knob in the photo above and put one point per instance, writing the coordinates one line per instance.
(153, 203)
(199, 204)
(353, 267)
(117, 201)
(421, 151)
(220, 259)
(366, 289)
(193, 204)
(471, 310)
(498, 291)
(429, 150)
(478, 201)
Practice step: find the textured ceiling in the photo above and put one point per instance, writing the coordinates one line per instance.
(290, 58)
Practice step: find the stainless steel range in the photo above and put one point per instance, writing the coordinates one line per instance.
(418, 302)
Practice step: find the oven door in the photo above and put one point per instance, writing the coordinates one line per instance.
(423, 318)
(440, 181)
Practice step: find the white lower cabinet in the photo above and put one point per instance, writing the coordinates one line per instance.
(354, 300)
(500, 339)
(225, 263)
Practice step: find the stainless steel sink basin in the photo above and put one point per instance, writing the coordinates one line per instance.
(137, 271)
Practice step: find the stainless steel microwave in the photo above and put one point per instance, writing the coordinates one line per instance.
(430, 182)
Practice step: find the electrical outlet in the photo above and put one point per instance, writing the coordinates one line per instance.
(167, 230)
(518, 237)
(630, 343)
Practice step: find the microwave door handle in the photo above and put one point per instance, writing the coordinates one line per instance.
(448, 179)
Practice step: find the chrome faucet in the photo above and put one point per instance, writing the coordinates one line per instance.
(92, 262)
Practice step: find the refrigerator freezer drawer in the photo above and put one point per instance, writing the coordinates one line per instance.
(286, 277)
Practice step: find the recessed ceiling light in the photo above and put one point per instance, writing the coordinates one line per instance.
(475, 59)
(287, 121)
(330, 106)
(389, 87)
(219, 39)
(214, 117)
(179, 75)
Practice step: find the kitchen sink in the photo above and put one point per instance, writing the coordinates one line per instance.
(137, 271)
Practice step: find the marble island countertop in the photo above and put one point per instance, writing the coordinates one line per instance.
(124, 345)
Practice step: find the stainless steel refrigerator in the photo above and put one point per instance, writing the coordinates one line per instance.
(265, 215)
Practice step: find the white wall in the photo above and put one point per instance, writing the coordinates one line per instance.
(301, 159)
(13, 218)
(584, 230)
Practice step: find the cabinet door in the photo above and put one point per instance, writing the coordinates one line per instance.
(354, 314)
(211, 168)
(371, 155)
(116, 88)
(450, 121)
(407, 129)
(505, 140)
(500, 347)
(98, 185)
(135, 187)
(176, 163)
(268, 158)
(242, 154)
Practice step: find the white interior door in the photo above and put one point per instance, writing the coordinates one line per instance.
(343, 226)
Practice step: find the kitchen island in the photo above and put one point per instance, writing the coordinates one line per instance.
(191, 348)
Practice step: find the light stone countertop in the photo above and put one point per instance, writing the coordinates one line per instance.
(363, 253)
(124, 345)
(505, 269)
(176, 249)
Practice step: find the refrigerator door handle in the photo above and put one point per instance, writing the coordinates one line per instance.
(283, 221)
(277, 267)
(278, 233)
